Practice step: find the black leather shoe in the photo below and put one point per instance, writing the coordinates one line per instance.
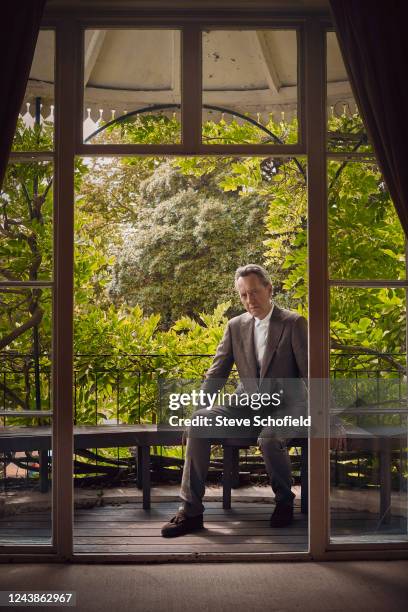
(282, 515)
(181, 524)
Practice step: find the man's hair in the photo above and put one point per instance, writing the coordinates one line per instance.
(260, 272)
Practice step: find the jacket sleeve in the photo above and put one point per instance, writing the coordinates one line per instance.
(295, 398)
(217, 374)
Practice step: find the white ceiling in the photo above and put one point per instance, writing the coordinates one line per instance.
(251, 71)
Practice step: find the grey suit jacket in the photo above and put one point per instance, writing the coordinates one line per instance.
(285, 355)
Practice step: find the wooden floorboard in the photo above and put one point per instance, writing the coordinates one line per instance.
(244, 528)
(128, 529)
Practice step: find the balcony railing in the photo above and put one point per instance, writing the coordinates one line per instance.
(125, 389)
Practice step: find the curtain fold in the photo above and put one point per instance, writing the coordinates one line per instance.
(19, 26)
(374, 44)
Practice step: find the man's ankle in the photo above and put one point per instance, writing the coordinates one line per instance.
(190, 511)
(182, 524)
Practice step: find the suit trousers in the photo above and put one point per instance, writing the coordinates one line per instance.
(197, 458)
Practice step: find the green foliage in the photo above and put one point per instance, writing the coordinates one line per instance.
(26, 215)
(36, 138)
(126, 356)
(365, 236)
(147, 128)
(346, 133)
(187, 238)
(156, 245)
(26, 255)
(239, 131)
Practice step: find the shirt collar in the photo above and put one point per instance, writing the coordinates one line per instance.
(265, 320)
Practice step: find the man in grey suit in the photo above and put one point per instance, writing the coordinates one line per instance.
(267, 344)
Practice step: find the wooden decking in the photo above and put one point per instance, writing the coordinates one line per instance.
(121, 529)
(244, 528)
(128, 529)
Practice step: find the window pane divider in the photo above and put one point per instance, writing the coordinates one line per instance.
(368, 283)
(31, 156)
(28, 553)
(191, 87)
(315, 105)
(181, 150)
(336, 545)
(68, 121)
(29, 413)
(261, 17)
(32, 283)
(351, 156)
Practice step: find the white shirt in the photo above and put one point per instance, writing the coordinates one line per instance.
(261, 328)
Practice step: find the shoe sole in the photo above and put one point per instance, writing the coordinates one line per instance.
(171, 534)
(281, 526)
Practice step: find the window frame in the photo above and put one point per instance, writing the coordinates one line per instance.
(70, 23)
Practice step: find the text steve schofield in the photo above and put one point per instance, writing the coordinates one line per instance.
(255, 401)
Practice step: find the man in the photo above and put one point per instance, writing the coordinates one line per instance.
(266, 343)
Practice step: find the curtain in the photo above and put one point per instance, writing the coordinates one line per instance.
(19, 26)
(374, 43)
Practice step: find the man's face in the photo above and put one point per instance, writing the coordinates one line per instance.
(255, 297)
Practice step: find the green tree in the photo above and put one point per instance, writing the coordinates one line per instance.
(156, 245)
(188, 236)
(26, 255)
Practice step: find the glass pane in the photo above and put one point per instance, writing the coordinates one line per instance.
(250, 87)
(132, 87)
(35, 127)
(369, 391)
(25, 416)
(157, 242)
(346, 131)
(366, 240)
(26, 219)
(26, 333)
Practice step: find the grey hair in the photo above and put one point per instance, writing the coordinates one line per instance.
(260, 272)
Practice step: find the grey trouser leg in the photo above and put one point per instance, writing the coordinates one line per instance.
(277, 462)
(197, 460)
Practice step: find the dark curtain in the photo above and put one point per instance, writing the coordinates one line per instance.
(19, 26)
(373, 39)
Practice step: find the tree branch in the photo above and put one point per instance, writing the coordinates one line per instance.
(8, 274)
(367, 351)
(16, 333)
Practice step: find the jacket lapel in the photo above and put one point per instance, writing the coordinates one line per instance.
(274, 335)
(247, 335)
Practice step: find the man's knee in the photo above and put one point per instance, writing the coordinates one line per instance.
(271, 443)
(196, 431)
(200, 412)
